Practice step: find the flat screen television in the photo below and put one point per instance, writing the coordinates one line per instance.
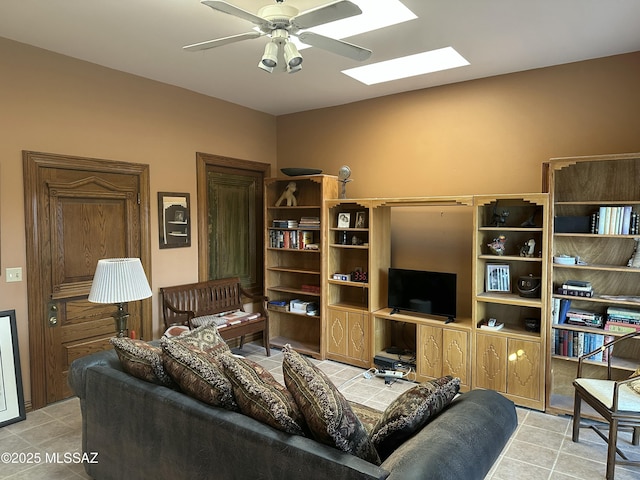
(420, 291)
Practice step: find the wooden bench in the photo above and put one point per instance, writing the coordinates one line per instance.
(181, 304)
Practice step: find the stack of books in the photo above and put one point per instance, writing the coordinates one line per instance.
(622, 320)
(285, 224)
(584, 318)
(310, 223)
(576, 288)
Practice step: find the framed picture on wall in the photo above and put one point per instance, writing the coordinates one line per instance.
(11, 394)
(174, 219)
(498, 278)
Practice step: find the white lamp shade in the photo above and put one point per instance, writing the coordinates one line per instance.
(119, 280)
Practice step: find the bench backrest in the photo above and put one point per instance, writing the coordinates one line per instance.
(201, 298)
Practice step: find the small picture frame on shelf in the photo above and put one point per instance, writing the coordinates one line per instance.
(498, 278)
(361, 219)
(344, 219)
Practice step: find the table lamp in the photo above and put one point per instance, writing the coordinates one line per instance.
(119, 280)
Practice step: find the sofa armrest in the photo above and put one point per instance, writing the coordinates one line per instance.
(463, 442)
(79, 367)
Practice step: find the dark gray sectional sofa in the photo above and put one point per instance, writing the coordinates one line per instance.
(140, 430)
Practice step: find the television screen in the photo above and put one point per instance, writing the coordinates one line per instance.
(432, 293)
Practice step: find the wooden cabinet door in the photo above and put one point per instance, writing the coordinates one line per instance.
(430, 351)
(358, 336)
(523, 369)
(337, 331)
(491, 362)
(455, 354)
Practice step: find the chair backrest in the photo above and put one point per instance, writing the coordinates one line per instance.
(202, 298)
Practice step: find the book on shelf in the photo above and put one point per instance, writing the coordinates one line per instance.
(622, 312)
(619, 327)
(574, 293)
(577, 285)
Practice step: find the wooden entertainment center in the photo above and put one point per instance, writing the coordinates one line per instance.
(345, 274)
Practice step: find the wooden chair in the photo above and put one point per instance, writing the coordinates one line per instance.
(614, 400)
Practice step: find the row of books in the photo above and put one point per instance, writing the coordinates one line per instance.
(615, 221)
(569, 343)
(293, 239)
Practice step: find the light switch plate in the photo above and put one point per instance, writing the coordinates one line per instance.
(14, 274)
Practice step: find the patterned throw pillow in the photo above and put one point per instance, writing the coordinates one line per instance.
(327, 413)
(636, 383)
(142, 360)
(411, 411)
(260, 396)
(198, 373)
(205, 338)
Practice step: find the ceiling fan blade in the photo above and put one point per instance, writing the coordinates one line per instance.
(225, 7)
(332, 45)
(221, 41)
(325, 14)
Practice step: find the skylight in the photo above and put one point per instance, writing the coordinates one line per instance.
(410, 66)
(375, 14)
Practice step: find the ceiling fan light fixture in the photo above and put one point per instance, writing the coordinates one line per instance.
(291, 55)
(270, 57)
(262, 66)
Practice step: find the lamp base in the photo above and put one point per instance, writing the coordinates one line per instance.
(121, 320)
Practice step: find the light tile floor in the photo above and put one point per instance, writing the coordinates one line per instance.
(540, 448)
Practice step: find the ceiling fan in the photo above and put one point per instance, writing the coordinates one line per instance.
(280, 22)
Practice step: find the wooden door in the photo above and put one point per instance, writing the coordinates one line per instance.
(337, 332)
(491, 363)
(358, 337)
(455, 355)
(524, 370)
(230, 196)
(78, 211)
(430, 351)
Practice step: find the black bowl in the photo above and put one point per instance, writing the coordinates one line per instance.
(295, 172)
(532, 324)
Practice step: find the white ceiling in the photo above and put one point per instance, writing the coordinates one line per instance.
(145, 38)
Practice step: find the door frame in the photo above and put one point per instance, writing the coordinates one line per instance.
(202, 161)
(37, 304)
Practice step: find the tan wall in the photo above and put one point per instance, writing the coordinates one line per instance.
(483, 136)
(51, 103)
